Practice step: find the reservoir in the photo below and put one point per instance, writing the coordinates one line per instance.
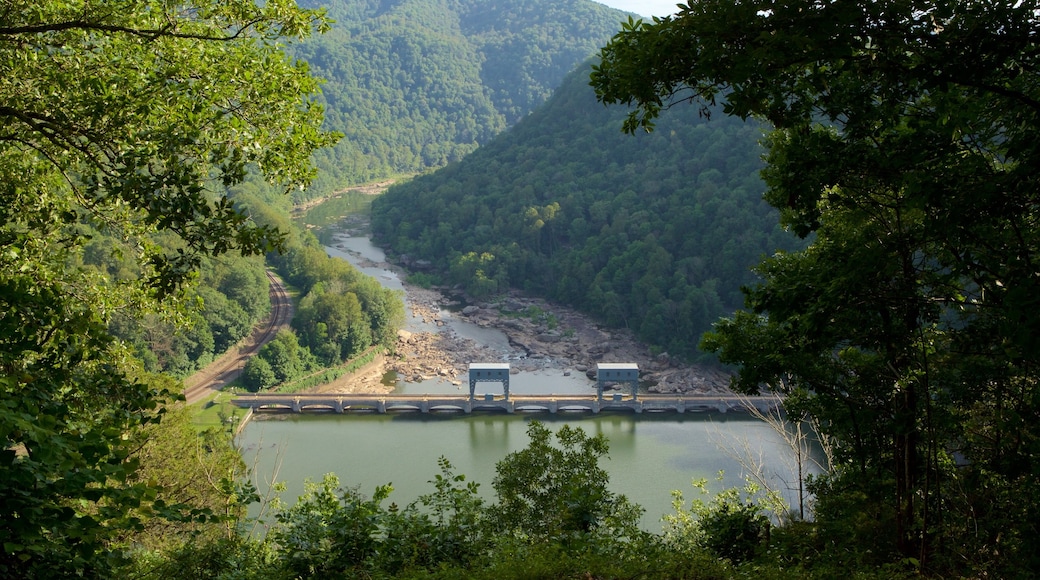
(650, 454)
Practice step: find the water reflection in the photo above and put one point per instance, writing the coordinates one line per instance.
(649, 455)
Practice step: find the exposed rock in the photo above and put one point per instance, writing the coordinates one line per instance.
(574, 342)
(599, 349)
(512, 305)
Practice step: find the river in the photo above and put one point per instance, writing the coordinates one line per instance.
(650, 455)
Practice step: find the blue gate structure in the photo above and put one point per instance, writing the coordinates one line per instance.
(523, 403)
(617, 373)
(488, 372)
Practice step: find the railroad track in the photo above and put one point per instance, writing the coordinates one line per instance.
(227, 368)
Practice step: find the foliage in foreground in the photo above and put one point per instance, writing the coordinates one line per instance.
(905, 148)
(553, 516)
(129, 120)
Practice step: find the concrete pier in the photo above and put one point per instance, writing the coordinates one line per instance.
(553, 404)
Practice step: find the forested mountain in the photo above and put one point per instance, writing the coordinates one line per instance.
(906, 332)
(415, 84)
(655, 232)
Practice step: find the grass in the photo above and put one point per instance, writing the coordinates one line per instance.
(330, 374)
(534, 314)
(215, 411)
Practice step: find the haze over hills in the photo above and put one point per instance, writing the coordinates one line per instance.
(653, 232)
(656, 232)
(646, 8)
(417, 84)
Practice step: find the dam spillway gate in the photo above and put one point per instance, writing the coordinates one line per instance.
(607, 374)
(342, 403)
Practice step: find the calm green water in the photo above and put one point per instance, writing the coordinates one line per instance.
(649, 455)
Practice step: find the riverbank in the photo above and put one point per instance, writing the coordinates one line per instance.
(542, 336)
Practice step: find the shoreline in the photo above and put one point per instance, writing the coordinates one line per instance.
(554, 337)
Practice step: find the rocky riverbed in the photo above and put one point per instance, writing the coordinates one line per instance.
(542, 337)
(549, 336)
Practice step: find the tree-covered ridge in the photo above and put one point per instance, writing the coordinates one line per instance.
(528, 48)
(656, 233)
(415, 84)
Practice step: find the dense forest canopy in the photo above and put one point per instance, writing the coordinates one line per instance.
(906, 143)
(417, 84)
(656, 232)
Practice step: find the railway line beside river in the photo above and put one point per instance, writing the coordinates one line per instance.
(226, 369)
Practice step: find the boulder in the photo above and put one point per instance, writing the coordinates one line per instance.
(599, 349)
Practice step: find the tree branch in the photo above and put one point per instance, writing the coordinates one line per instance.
(150, 34)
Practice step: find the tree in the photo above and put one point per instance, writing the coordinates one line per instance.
(200, 472)
(132, 118)
(333, 326)
(287, 359)
(904, 147)
(246, 284)
(330, 530)
(258, 375)
(732, 525)
(227, 320)
(557, 493)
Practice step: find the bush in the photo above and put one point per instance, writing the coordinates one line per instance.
(734, 531)
(733, 525)
(559, 492)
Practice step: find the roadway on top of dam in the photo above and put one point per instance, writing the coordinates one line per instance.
(548, 403)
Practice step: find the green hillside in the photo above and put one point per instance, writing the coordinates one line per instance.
(415, 84)
(655, 232)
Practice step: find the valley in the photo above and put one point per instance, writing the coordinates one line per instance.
(542, 337)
